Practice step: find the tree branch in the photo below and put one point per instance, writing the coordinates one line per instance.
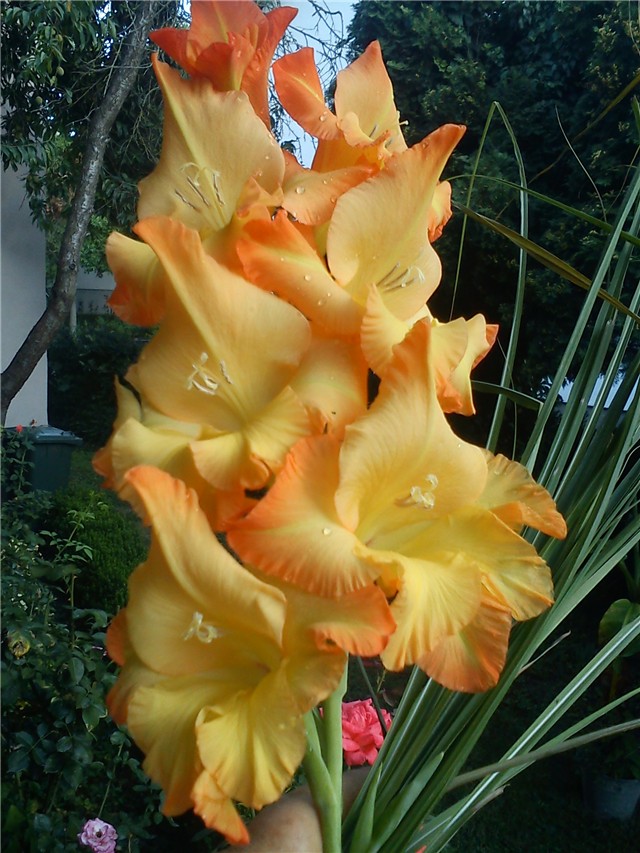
(64, 289)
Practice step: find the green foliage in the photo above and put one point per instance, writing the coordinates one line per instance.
(82, 367)
(103, 580)
(57, 57)
(64, 759)
(555, 68)
(17, 444)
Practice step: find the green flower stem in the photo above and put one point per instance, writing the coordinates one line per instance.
(322, 790)
(324, 772)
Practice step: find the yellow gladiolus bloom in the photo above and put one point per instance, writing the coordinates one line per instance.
(219, 667)
(405, 504)
(203, 179)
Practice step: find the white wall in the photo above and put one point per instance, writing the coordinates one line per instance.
(22, 295)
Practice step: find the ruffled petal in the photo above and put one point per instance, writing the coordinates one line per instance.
(439, 595)
(217, 809)
(295, 533)
(161, 719)
(472, 659)
(511, 569)
(268, 738)
(512, 494)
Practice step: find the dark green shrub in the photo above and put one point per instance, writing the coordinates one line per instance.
(115, 538)
(64, 761)
(82, 367)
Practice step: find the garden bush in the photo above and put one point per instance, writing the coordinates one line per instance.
(63, 759)
(82, 368)
(115, 537)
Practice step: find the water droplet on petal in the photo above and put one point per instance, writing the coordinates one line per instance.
(307, 277)
(326, 531)
(333, 199)
(323, 117)
(299, 190)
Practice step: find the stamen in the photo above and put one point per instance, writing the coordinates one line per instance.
(203, 631)
(204, 381)
(185, 200)
(421, 497)
(195, 186)
(223, 371)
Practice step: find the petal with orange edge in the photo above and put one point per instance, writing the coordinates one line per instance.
(364, 90)
(472, 659)
(359, 622)
(255, 81)
(440, 212)
(138, 297)
(300, 92)
(378, 232)
(278, 258)
(310, 196)
(295, 533)
(514, 496)
(217, 809)
(456, 347)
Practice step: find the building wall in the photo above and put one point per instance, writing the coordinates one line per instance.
(22, 296)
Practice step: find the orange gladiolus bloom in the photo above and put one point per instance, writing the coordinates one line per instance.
(219, 667)
(405, 504)
(367, 250)
(231, 44)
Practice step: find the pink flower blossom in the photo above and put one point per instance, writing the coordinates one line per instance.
(362, 733)
(99, 836)
(19, 428)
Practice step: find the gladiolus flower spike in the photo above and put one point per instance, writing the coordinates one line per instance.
(349, 528)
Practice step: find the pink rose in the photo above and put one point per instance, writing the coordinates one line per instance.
(361, 731)
(99, 836)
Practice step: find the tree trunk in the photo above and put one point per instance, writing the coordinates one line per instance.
(64, 289)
